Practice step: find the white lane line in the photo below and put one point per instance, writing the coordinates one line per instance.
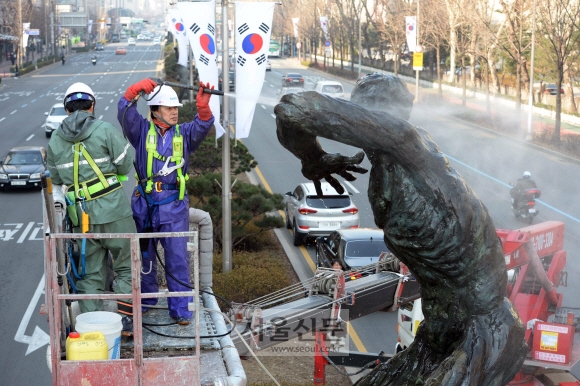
(24, 105)
(25, 232)
(111, 100)
(264, 107)
(29, 138)
(273, 116)
(350, 186)
(106, 108)
(101, 117)
(32, 101)
(2, 119)
(271, 85)
(13, 112)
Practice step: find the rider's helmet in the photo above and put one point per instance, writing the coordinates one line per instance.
(164, 97)
(79, 91)
(527, 174)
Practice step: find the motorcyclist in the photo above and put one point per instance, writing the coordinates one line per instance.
(94, 59)
(161, 204)
(524, 183)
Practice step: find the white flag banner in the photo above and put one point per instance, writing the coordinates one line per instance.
(324, 25)
(90, 27)
(25, 29)
(177, 28)
(411, 29)
(253, 30)
(199, 18)
(295, 21)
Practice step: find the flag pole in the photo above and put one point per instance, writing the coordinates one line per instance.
(226, 179)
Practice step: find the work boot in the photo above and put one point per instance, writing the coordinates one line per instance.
(127, 329)
(182, 320)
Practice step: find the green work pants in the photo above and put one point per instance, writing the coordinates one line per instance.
(96, 262)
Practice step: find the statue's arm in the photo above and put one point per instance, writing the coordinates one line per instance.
(302, 117)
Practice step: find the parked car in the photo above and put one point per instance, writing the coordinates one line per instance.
(121, 51)
(292, 79)
(311, 216)
(22, 166)
(54, 117)
(268, 65)
(330, 88)
(131, 42)
(157, 40)
(551, 89)
(99, 47)
(232, 81)
(352, 247)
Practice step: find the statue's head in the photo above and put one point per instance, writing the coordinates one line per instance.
(380, 92)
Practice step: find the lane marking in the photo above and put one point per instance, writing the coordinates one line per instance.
(25, 232)
(32, 101)
(2, 119)
(273, 116)
(351, 186)
(101, 117)
(111, 100)
(29, 138)
(106, 108)
(355, 339)
(24, 105)
(264, 107)
(13, 112)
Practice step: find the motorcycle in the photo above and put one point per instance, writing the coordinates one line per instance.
(94, 60)
(524, 207)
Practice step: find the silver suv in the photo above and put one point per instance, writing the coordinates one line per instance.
(310, 216)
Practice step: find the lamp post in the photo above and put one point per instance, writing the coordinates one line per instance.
(20, 37)
(531, 97)
(359, 43)
(418, 43)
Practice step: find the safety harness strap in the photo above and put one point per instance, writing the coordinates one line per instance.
(96, 187)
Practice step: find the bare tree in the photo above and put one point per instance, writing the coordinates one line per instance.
(559, 23)
(435, 27)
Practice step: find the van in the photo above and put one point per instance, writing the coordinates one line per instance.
(330, 88)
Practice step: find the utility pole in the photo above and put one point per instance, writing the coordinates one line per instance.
(417, 71)
(226, 180)
(359, 43)
(190, 64)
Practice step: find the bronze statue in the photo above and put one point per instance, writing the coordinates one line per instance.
(432, 221)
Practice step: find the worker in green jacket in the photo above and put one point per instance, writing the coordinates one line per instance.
(87, 155)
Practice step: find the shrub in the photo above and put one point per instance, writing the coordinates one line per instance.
(253, 275)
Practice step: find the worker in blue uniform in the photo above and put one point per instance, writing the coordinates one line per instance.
(160, 202)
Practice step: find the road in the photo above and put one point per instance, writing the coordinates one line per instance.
(23, 103)
(487, 160)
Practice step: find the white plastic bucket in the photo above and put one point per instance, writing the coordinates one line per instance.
(109, 323)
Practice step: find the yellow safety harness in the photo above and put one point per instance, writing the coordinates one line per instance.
(176, 157)
(99, 186)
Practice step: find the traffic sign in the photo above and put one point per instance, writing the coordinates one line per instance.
(418, 48)
(298, 45)
(33, 32)
(418, 61)
(327, 43)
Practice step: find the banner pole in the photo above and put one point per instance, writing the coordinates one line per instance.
(226, 180)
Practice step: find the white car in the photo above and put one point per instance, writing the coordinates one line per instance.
(131, 42)
(53, 118)
(330, 88)
(157, 40)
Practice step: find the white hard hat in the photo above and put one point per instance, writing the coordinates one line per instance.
(527, 175)
(165, 97)
(79, 91)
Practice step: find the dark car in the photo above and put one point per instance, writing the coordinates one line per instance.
(99, 47)
(551, 89)
(353, 247)
(232, 81)
(292, 79)
(22, 167)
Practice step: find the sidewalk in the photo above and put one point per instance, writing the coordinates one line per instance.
(5, 68)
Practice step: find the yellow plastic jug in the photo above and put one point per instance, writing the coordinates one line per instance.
(87, 346)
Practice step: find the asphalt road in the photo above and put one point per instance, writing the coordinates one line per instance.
(22, 106)
(488, 161)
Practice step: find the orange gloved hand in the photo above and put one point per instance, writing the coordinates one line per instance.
(203, 109)
(146, 85)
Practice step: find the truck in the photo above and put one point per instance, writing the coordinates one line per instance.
(115, 38)
(535, 260)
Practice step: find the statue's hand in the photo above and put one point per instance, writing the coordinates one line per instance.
(330, 164)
